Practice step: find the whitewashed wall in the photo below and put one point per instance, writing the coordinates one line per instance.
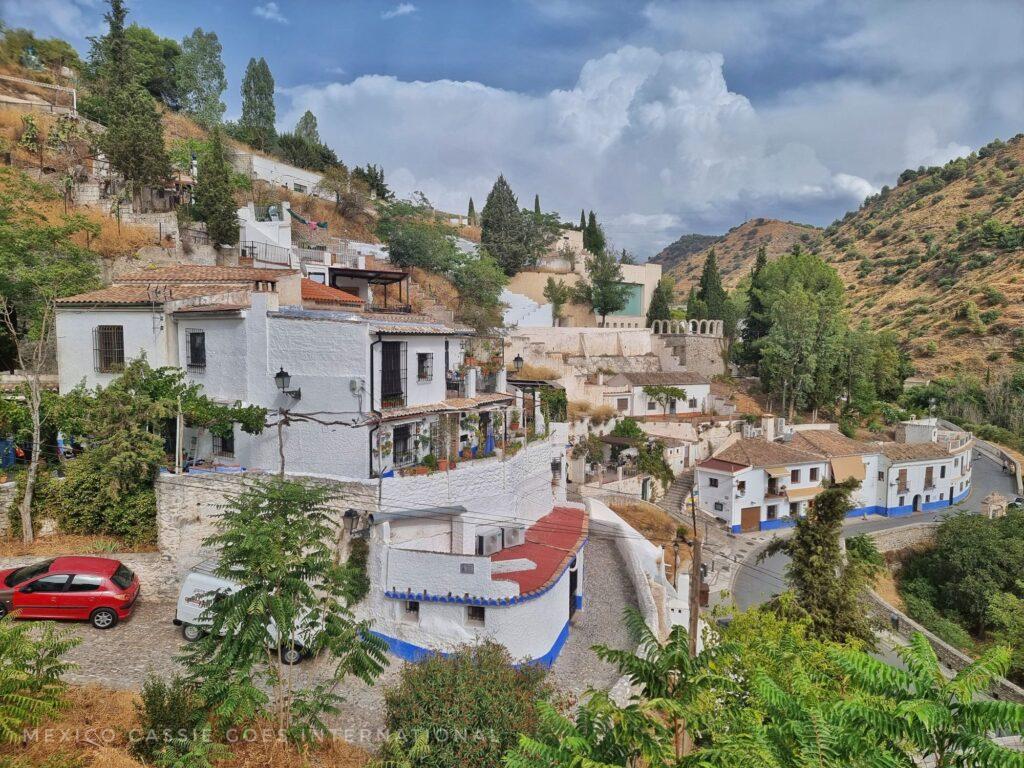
(144, 333)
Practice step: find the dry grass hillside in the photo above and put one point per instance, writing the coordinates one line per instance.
(737, 249)
(939, 260)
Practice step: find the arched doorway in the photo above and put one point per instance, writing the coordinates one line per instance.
(917, 502)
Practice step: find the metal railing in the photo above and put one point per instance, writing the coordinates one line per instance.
(265, 253)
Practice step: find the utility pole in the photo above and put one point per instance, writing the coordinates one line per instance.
(179, 437)
(695, 579)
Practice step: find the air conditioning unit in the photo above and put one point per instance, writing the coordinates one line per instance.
(488, 541)
(514, 535)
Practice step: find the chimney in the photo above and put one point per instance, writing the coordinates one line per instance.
(600, 378)
(768, 426)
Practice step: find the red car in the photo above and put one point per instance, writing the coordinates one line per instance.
(96, 589)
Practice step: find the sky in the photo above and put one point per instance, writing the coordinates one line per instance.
(664, 117)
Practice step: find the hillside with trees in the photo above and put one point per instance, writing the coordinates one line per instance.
(682, 250)
(735, 250)
(937, 260)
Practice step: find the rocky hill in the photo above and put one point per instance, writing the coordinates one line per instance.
(682, 249)
(939, 260)
(737, 249)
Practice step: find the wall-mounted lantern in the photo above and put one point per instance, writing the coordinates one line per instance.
(283, 380)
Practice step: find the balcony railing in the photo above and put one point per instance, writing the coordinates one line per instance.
(393, 400)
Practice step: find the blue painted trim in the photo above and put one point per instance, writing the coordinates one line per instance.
(861, 511)
(579, 602)
(737, 529)
(415, 653)
(490, 602)
(779, 522)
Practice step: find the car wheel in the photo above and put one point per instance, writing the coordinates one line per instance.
(191, 632)
(103, 618)
(291, 655)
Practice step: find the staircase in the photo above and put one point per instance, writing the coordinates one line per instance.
(673, 501)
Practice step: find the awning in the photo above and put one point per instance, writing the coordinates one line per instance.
(846, 467)
(777, 471)
(799, 494)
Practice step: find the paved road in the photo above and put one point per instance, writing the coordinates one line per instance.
(757, 582)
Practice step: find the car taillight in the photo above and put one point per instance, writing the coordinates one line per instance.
(122, 596)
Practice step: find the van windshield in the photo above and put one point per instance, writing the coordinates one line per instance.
(27, 572)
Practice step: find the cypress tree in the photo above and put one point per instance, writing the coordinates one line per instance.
(536, 204)
(258, 113)
(593, 235)
(134, 140)
(583, 221)
(660, 308)
(471, 214)
(307, 129)
(756, 326)
(711, 293)
(504, 233)
(214, 200)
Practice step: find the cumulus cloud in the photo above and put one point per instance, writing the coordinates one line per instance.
(71, 19)
(402, 9)
(270, 11)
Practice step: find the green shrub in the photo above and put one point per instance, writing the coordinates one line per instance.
(168, 711)
(358, 555)
(862, 548)
(473, 705)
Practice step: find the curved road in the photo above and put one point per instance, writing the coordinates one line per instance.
(757, 582)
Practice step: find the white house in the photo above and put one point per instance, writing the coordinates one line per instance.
(626, 393)
(766, 482)
(466, 540)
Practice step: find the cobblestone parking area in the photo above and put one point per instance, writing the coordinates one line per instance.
(146, 644)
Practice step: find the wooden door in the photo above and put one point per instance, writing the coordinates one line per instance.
(750, 519)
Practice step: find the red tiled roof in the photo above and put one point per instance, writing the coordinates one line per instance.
(142, 294)
(722, 466)
(551, 543)
(314, 291)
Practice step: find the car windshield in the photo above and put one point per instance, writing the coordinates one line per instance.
(122, 577)
(27, 572)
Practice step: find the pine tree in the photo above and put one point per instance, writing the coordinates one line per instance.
(258, 113)
(213, 199)
(536, 204)
(504, 233)
(710, 291)
(603, 289)
(660, 306)
(307, 129)
(471, 214)
(201, 78)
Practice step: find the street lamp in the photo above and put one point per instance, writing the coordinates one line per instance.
(517, 363)
(283, 380)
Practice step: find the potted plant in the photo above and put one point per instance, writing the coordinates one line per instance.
(430, 462)
(513, 419)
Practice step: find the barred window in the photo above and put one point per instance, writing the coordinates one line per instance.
(108, 348)
(424, 366)
(195, 351)
(224, 446)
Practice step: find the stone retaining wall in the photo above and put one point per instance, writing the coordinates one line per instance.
(905, 536)
(7, 494)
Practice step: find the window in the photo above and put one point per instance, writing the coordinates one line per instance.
(719, 506)
(929, 477)
(794, 509)
(773, 511)
(651, 405)
(476, 615)
(692, 404)
(713, 482)
(123, 577)
(956, 462)
(195, 351)
(622, 404)
(794, 476)
(298, 187)
(927, 498)
(412, 610)
(424, 366)
(942, 471)
(392, 374)
(82, 583)
(942, 496)
(902, 501)
(902, 481)
(48, 584)
(741, 487)
(318, 277)
(224, 446)
(881, 477)
(108, 348)
(814, 474)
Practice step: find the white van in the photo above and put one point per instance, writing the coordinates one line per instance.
(198, 590)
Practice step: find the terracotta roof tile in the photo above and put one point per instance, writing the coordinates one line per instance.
(143, 294)
(314, 291)
(451, 405)
(195, 273)
(756, 452)
(914, 451)
(828, 442)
